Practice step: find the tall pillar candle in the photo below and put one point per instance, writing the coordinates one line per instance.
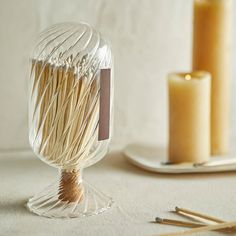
(211, 52)
(189, 117)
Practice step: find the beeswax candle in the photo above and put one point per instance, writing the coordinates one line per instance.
(189, 117)
(211, 52)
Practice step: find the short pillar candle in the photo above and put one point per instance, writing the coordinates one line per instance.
(189, 117)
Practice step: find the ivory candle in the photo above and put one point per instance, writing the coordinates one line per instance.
(189, 117)
(211, 52)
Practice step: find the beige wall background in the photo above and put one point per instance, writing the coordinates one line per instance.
(149, 39)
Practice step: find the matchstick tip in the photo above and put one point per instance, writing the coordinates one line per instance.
(159, 220)
(177, 208)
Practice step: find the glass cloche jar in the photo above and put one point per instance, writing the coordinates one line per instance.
(70, 115)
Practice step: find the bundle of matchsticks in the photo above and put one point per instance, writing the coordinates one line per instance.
(64, 116)
(64, 112)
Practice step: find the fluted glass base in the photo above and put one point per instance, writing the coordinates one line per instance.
(84, 200)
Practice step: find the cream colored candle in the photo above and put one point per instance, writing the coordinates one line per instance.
(189, 117)
(211, 52)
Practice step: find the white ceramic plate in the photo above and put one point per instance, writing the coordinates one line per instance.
(154, 159)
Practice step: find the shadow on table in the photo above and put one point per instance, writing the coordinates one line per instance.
(116, 160)
(18, 205)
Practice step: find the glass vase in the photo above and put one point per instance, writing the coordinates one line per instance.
(70, 116)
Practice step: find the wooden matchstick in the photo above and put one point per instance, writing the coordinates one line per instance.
(178, 223)
(202, 229)
(200, 215)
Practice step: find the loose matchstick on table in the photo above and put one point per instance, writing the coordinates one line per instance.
(191, 213)
(219, 226)
(178, 223)
(188, 224)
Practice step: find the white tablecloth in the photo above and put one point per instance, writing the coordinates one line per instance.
(139, 197)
